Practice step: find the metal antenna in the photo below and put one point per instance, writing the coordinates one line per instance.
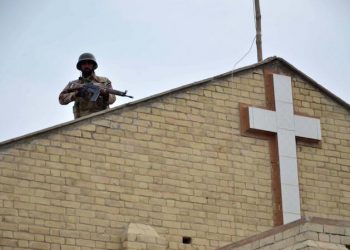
(258, 29)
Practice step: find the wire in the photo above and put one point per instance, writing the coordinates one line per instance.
(251, 46)
(254, 39)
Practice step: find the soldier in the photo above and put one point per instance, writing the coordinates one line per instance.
(83, 106)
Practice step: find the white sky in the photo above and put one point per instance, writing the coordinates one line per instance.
(148, 47)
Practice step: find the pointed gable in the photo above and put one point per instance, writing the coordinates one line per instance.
(178, 162)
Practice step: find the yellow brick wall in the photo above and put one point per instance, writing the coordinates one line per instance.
(177, 163)
(324, 170)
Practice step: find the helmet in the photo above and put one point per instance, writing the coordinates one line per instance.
(86, 57)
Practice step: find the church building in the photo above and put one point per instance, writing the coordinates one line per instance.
(255, 158)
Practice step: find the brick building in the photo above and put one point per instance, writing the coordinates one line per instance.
(207, 165)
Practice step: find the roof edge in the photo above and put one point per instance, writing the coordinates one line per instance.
(129, 104)
(186, 86)
(312, 81)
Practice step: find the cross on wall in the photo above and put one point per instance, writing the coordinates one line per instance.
(287, 126)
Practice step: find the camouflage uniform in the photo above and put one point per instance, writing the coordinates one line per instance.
(82, 106)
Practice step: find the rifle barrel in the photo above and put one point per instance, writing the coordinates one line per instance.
(110, 91)
(117, 92)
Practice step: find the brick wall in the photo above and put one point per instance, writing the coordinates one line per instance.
(324, 170)
(176, 162)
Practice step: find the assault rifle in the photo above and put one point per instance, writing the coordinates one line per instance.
(94, 91)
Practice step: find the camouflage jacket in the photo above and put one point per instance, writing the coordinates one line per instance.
(82, 106)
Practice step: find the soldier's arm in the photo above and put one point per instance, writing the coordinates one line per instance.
(111, 97)
(64, 97)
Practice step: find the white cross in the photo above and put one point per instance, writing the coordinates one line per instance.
(287, 125)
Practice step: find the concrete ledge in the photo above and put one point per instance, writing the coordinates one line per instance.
(321, 232)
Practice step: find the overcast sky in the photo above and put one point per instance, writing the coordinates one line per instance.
(148, 47)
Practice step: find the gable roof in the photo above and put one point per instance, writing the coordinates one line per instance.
(268, 60)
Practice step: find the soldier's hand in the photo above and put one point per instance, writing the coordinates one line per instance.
(82, 92)
(104, 93)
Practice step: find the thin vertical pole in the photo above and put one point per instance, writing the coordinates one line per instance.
(258, 30)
